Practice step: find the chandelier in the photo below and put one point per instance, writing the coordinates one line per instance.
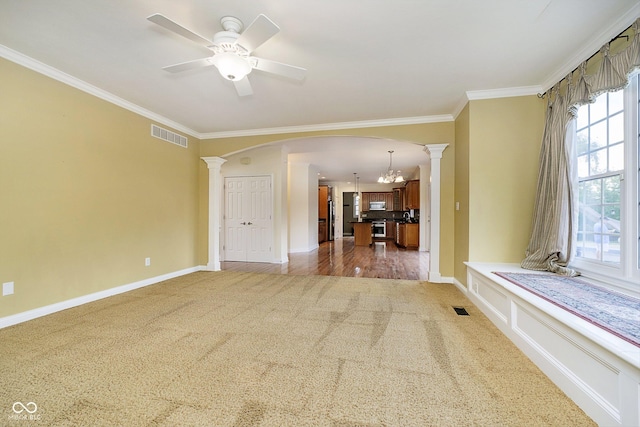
(390, 176)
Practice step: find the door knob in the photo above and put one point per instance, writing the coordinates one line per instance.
(243, 223)
(249, 223)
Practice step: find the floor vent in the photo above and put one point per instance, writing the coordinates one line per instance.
(460, 311)
(167, 135)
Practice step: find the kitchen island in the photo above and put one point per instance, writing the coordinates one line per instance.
(362, 233)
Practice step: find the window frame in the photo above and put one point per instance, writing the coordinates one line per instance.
(624, 276)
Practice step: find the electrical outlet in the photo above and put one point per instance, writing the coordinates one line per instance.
(7, 288)
(147, 262)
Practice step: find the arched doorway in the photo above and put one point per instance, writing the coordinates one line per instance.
(306, 151)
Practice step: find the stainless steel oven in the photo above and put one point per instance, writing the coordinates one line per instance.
(379, 228)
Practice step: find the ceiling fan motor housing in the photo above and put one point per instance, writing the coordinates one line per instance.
(230, 58)
(225, 41)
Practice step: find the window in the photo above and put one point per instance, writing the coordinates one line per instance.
(607, 139)
(356, 205)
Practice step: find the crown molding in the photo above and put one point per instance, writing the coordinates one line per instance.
(461, 104)
(331, 126)
(594, 45)
(509, 92)
(69, 80)
(74, 82)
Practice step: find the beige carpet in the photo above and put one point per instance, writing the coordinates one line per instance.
(243, 349)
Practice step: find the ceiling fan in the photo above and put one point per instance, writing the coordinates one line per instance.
(232, 50)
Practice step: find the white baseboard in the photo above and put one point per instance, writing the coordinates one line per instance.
(435, 277)
(14, 319)
(303, 250)
(462, 288)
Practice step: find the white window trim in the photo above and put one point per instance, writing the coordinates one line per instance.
(626, 276)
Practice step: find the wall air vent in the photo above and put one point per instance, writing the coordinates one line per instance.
(167, 135)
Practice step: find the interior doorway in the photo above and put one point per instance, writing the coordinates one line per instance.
(348, 213)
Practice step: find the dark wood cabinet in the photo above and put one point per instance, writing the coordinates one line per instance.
(362, 234)
(391, 230)
(408, 235)
(388, 200)
(398, 199)
(412, 195)
(323, 202)
(323, 213)
(367, 197)
(322, 231)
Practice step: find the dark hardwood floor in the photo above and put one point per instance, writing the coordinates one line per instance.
(341, 257)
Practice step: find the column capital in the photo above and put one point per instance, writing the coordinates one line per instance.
(435, 150)
(213, 162)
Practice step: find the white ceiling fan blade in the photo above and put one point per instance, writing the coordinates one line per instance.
(290, 71)
(243, 87)
(170, 25)
(260, 30)
(189, 65)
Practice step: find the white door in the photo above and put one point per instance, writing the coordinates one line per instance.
(248, 219)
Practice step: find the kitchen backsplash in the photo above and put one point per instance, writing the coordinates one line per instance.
(389, 215)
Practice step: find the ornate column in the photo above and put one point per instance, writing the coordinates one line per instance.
(425, 205)
(215, 210)
(434, 151)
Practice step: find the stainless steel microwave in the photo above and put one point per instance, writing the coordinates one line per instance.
(377, 206)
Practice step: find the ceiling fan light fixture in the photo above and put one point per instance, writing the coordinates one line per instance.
(231, 66)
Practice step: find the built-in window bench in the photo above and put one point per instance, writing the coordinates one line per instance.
(597, 369)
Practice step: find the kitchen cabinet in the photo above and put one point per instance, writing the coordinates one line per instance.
(367, 197)
(412, 195)
(323, 202)
(391, 230)
(398, 199)
(400, 234)
(323, 213)
(322, 231)
(388, 200)
(408, 235)
(362, 234)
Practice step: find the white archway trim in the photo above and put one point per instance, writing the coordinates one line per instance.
(215, 210)
(434, 151)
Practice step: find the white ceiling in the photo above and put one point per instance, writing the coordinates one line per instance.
(374, 61)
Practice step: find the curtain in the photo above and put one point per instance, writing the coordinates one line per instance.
(553, 232)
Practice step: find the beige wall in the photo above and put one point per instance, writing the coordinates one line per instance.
(461, 249)
(430, 133)
(269, 161)
(86, 194)
(501, 161)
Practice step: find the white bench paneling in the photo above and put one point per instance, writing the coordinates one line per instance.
(598, 370)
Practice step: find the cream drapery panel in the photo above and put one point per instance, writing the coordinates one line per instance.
(553, 231)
